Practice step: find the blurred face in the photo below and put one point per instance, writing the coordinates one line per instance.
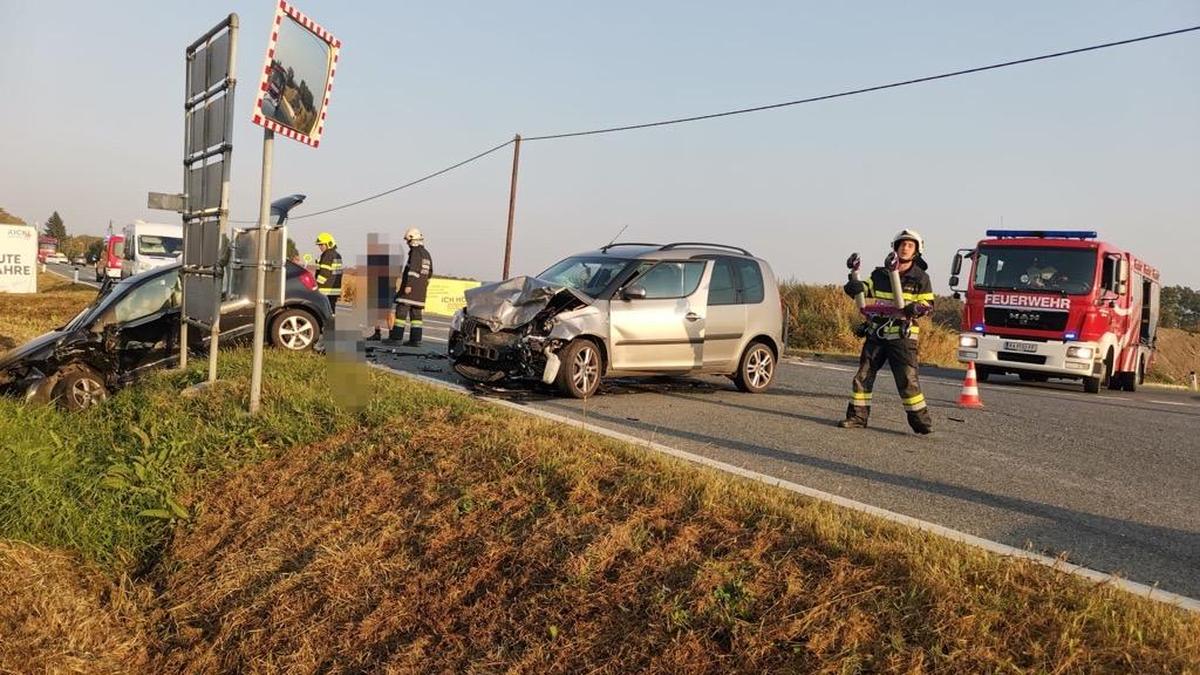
(321, 247)
(907, 249)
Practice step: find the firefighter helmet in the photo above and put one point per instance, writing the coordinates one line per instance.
(909, 235)
(413, 234)
(326, 239)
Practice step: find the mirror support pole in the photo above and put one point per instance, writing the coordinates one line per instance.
(512, 206)
(260, 274)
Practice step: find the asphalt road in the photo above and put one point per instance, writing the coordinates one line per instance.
(87, 273)
(1111, 480)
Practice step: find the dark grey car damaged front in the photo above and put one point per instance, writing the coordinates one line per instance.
(117, 354)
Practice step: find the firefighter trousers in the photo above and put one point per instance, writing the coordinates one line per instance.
(901, 355)
(410, 317)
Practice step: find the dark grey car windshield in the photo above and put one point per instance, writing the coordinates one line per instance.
(119, 291)
(590, 275)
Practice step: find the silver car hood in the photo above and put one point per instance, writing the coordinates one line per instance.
(514, 302)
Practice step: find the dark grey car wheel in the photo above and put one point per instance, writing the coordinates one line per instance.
(79, 388)
(295, 330)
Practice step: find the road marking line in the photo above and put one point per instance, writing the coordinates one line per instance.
(996, 547)
(72, 278)
(1186, 405)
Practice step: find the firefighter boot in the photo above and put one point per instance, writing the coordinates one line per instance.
(856, 417)
(376, 336)
(414, 339)
(920, 422)
(396, 334)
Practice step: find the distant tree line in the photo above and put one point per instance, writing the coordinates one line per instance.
(1180, 308)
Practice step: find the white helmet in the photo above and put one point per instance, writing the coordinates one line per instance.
(910, 235)
(413, 234)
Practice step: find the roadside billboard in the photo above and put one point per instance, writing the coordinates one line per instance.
(447, 296)
(18, 259)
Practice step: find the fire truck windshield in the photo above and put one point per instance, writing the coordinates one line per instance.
(1053, 270)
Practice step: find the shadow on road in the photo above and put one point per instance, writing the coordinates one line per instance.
(1059, 529)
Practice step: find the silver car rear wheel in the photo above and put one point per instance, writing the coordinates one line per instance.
(757, 369)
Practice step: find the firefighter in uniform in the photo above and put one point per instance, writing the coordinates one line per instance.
(329, 270)
(893, 340)
(411, 289)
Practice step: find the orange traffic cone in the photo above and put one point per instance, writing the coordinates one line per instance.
(969, 398)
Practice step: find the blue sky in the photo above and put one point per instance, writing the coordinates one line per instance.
(92, 120)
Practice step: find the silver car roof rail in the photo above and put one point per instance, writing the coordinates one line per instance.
(604, 249)
(701, 244)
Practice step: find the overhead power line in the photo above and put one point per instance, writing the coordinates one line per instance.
(409, 184)
(772, 106)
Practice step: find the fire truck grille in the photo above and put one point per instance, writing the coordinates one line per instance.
(1035, 319)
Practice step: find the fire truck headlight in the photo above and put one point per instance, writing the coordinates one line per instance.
(1080, 352)
(968, 341)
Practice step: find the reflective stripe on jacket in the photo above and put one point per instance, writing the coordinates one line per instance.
(415, 277)
(329, 272)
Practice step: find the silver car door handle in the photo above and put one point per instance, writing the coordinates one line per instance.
(692, 316)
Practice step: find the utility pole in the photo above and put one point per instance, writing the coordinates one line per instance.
(512, 205)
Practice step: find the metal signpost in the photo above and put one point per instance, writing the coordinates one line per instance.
(292, 100)
(208, 146)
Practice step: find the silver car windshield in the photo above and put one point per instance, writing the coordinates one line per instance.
(590, 275)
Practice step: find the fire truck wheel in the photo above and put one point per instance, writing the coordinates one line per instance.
(1111, 378)
(1091, 385)
(982, 373)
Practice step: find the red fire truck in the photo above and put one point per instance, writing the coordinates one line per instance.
(1043, 304)
(47, 246)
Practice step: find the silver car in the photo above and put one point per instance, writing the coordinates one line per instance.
(626, 309)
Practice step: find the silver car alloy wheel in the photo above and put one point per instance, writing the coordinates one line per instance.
(586, 369)
(759, 367)
(86, 392)
(296, 332)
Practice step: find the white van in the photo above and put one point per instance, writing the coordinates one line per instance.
(150, 245)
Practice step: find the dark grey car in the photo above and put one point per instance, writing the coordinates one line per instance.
(134, 328)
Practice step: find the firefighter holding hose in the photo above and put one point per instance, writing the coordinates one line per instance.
(891, 336)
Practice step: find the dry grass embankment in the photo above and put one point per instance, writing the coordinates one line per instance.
(1177, 355)
(434, 533)
(822, 319)
(25, 316)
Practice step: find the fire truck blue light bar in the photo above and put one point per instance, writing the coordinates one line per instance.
(1045, 234)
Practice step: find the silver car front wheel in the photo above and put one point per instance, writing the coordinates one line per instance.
(582, 367)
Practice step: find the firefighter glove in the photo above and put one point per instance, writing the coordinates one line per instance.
(853, 287)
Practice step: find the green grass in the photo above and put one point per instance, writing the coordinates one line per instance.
(430, 531)
(105, 482)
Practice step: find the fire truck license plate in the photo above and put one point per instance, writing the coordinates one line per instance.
(1020, 347)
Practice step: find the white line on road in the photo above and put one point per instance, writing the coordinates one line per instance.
(72, 278)
(1186, 405)
(1133, 587)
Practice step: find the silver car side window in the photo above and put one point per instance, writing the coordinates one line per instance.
(671, 279)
